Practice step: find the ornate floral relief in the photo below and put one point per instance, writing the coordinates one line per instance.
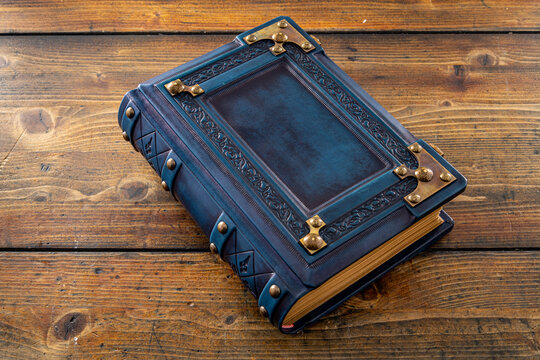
(275, 202)
(368, 209)
(358, 111)
(272, 199)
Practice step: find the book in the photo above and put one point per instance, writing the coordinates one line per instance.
(302, 182)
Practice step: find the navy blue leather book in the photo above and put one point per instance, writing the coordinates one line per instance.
(303, 183)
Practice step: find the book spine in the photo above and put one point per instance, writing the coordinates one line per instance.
(137, 119)
(139, 128)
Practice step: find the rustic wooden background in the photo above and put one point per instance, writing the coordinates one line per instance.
(96, 261)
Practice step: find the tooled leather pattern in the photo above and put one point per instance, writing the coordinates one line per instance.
(271, 198)
(275, 202)
(227, 63)
(368, 209)
(357, 110)
(248, 264)
(154, 148)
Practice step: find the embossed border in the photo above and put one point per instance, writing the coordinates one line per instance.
(275, 202)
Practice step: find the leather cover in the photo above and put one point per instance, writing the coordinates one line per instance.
(273, 141)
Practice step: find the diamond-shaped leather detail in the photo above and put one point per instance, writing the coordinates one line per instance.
(153, 161)
(161, 158)
(161, 145)
(247, 264)
(146, 127)
(149, 145)
(244, 263)
(261, 280)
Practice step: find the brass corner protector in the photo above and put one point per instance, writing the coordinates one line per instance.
(431, 175)
(313, 242)
(176, 87)
(280, 32)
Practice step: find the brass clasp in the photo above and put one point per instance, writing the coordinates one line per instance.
(313, 242)
(280, 32)
(176, 87)
(431, 175)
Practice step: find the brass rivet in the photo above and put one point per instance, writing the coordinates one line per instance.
(306, 45)
(274, 291)
(263, 311)
(222, 227)
(251, 38)
(316, 222)
(278, 49)
(313, 242)
(164, 185)
(279, 37)
(171, 164)
(197, 89)
(401, 170)
(125, 136)
(175, 87)
(423, 174)
(446, 176)
(415, 148)
(282, 24)
(213, 248)
(414, 198)
(130, 112)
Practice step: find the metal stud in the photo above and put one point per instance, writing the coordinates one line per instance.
(274, 291)
(316, 222)
(263, 311)
(415, 148)
(414, 198)
(197, 89)
(164, 185)
(423, 174)
(279, 37)
(401, 170)
(171, 164)
(282, 24)
(306, 45)
(445, 176)
(130, 112)
(125, 136)
(251, 38)
(222, 227)
(277, 49)
(213, 248)
(313, 242)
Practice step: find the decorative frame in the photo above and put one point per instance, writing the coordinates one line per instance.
(273, 200)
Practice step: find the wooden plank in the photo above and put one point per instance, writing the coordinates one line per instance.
(67, 179)
(466, 305)
(238, 16)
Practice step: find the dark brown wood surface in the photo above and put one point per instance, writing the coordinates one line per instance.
(475, 96)
(468, 305)
(238, 15)
(97, 261)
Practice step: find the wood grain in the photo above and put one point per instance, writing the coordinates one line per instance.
(68, 180)
(141, 305)
(238, 15)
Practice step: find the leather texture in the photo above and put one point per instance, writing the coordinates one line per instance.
(272, 141)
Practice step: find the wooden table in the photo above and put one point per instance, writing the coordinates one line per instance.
(97, 261)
